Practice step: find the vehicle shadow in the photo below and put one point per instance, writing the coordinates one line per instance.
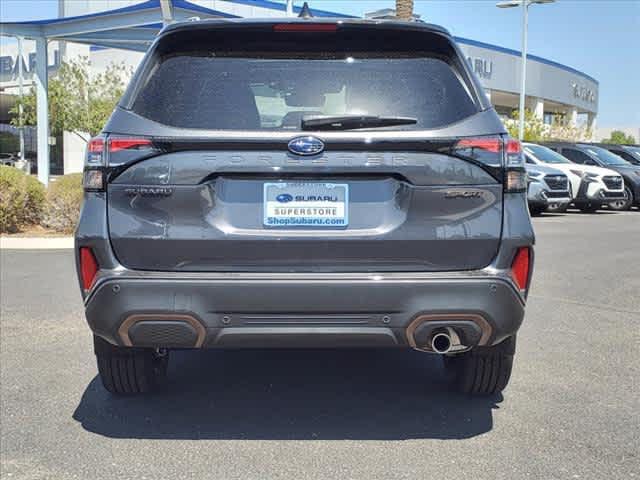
(297, 395)
(597, 212)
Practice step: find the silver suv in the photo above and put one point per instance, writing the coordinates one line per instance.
(306, 184)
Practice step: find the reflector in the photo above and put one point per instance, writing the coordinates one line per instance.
(88, 267)
(520, 268)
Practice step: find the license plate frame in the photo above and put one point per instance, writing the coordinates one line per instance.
(305, 204)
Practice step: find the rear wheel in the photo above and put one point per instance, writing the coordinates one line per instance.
(483, 370)
(621, 205)
(127, 371)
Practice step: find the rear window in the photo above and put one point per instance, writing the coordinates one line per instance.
(273, 90)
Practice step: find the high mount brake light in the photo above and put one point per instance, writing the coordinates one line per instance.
(520, 268)
(305, 27)
(88, 267)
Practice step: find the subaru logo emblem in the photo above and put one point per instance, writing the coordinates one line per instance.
(284, 198)
(306, 146)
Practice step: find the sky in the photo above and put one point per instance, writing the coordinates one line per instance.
(598, 37)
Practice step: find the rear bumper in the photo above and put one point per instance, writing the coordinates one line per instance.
(148, 309)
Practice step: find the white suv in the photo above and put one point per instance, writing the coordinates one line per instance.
(588, 189)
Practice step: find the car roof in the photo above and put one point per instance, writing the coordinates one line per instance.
(265, 22)
(613, 146)
(559, 143)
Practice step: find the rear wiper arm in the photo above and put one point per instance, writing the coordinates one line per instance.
(352, 122)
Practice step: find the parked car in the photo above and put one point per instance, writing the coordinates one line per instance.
(592, 155)
(596, 187)
(629, 153)
(548, 189)
(268, 188)
(8, 159)
(538, 155)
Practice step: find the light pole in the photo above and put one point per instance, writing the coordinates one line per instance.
(525, 25)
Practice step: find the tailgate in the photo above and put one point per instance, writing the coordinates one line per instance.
(206, 211)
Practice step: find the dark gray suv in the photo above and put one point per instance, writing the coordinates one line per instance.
(304, 184)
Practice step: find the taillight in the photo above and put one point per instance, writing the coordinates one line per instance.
(117, 144)
(105, 152)
(515, 174)
(88, 267)
(514, 147)
(489, 144)
(305, 27)
(93, 180)
(520, 268)
(126, 149)
(93, 177)
(95, 151)
(499, 154)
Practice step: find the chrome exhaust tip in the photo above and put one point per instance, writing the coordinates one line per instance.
(441, 342)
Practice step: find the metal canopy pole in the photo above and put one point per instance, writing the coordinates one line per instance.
(41, 82)
(21, 96)
(166, 6)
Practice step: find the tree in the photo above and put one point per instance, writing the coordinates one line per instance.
(534, 128)
(78, 102)
(404, 9)
(620, 138)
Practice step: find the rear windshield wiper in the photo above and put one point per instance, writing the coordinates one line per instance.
(352, 122)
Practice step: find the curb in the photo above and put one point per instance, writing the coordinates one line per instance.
(35, 243)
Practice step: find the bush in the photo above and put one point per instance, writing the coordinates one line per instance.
(22, 200)
(64, 202)
(36, 200)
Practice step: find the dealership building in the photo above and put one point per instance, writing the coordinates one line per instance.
(100, 29)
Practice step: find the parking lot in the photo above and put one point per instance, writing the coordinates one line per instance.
(572, 409)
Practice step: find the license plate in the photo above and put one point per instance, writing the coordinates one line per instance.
(306, 204)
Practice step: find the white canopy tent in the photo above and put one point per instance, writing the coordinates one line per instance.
(129, 28)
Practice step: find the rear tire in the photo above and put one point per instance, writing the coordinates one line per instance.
(129, 371)
(483, 370)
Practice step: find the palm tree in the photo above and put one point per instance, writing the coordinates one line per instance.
(404, 9)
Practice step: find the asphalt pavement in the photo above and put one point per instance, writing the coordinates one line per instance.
(571, 411)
